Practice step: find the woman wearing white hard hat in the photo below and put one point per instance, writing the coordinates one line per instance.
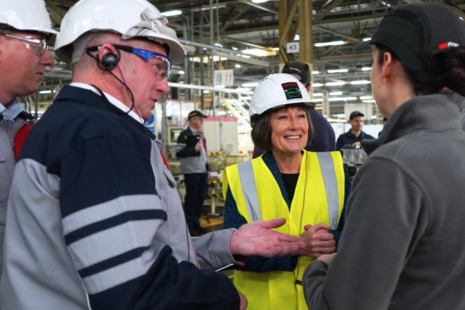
(307, 189)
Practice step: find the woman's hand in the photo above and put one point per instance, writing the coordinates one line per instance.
(318, 241)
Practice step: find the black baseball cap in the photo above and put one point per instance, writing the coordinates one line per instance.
(195, 113)
(416, 32)
(300, 68)
(355, 114)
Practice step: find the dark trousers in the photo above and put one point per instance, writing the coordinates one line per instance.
(196, 190)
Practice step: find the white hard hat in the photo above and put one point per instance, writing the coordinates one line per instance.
(26, 15)
(130, 18)
(276, 90)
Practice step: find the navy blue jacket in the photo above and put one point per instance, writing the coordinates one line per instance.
(350, 138)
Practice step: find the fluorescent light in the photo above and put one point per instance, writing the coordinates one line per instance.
(172, 13)
(45, 92)
(275, 48)
(368, 101)
(366, 68)
(342, 98)
(315, 72)
(317, 94)
(259, 1)
(243, 89)
(366, 39)
(254, 84)
(237, 65)
(331, 43)
(206, 91)
(218, 44)
(338, 70)
(336, 83)
(317, 85)
(361, 82)
(181, 72)
(335, 93)
(317, 100)
(234, 48)
(366, 97)
(297, 37)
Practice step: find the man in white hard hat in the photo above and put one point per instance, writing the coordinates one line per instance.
(94, 217)
(25, 29)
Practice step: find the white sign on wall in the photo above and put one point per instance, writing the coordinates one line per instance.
(292, 47)
(224, 78)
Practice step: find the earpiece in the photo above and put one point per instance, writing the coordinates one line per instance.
(110, 61)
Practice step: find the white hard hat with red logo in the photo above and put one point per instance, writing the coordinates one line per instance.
(130, 18)
(277, 90)
(26, 15)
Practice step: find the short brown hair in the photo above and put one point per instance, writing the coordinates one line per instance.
(261, 126)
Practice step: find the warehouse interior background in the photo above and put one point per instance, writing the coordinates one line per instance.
(251, 39)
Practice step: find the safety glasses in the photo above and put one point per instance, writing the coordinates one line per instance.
(36, 45)
(159, 61)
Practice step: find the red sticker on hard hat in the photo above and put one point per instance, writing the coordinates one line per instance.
(292, 90)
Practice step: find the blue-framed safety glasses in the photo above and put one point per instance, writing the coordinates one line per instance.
(161, 62)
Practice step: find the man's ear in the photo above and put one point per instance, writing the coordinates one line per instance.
(386, 71)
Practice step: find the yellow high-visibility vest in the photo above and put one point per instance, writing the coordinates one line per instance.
(318, 198)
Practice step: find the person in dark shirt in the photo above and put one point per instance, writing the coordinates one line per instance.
(355, 134)
(324, 139)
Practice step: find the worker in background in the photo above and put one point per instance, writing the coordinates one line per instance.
(191, 149)
(94, 218)
(25, 30)
(355, 134)
(323, 139)
(402, 246)
(306, 188)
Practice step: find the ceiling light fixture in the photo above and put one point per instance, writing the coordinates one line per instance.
(342, 98)
(331, 43)
(361, 82)
(172, 13)
(253, 84)
(338, 70)
(336, 83)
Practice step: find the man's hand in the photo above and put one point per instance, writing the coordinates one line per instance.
(198, 147)
(327, 258)
(209, 176)
(257, 238)
(318, 241)
(357, 143)
(244, 301)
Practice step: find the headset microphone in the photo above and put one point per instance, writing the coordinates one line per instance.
(110, 61)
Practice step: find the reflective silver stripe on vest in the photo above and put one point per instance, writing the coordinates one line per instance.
(330, 181)
(249, 189)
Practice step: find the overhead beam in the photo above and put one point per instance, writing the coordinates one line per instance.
(261, 7)
(247, 43)
(326, 10)
(344, 57)
(352, 39)
(235, 17)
